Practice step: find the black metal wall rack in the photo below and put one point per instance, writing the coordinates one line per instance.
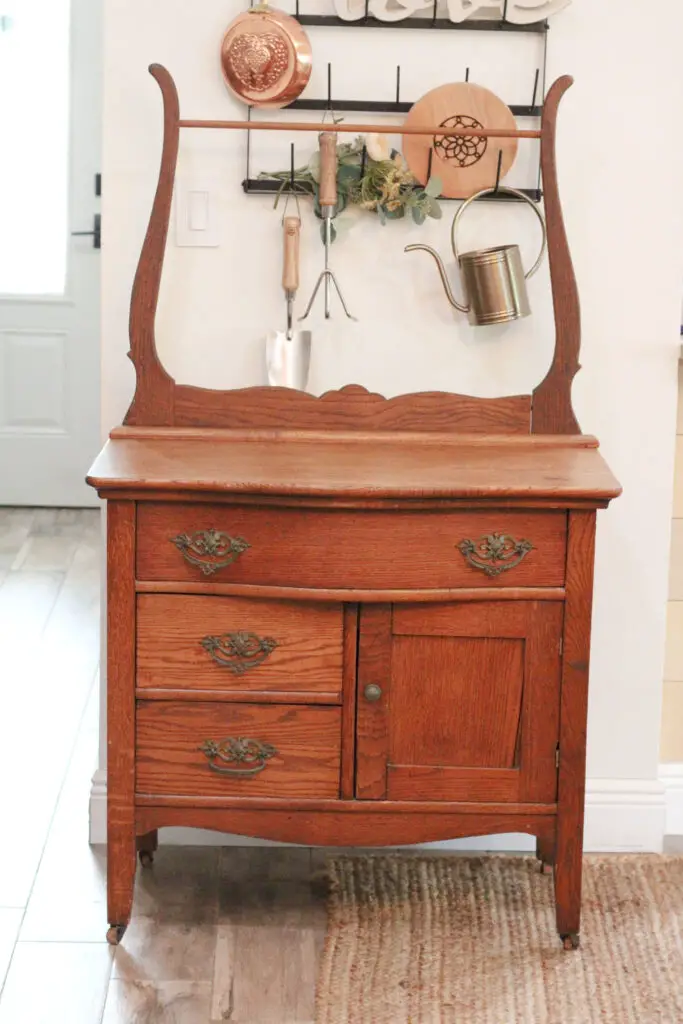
(332, 105)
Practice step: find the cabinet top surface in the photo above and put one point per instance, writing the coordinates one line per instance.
(355, 466)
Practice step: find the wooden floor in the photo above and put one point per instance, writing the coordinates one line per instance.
(218, 935)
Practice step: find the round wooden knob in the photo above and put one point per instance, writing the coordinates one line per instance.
(373, 692)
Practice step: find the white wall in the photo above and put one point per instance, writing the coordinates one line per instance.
(621, 164)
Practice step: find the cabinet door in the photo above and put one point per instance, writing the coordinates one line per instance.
(459, 702)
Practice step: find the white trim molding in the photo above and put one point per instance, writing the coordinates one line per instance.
(671, 777)
(625, 816)
(98, 808)
(622, 816)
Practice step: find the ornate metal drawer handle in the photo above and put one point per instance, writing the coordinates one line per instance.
(239, 652)
(238, 750)
(210, 550)
(495, 553)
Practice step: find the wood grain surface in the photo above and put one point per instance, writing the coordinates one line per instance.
(360, 470)
(552, 411)
(573, 722)
(169, 759)
(350, 676)
(409, 782)
(474, 165)
(307, 658)
(372, 722)
(345, 549)
(471, 710)
(374, 827)
(154, 393)
(121, 858)
(470, 705)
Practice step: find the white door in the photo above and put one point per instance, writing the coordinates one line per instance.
(50, 130)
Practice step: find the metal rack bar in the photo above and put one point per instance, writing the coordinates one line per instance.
(273, 186)
(439, 25)
(389, 107)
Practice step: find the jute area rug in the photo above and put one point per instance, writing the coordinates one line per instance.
(454, 940)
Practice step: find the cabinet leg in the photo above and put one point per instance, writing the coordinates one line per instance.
(147, 847)
(115, 934)
(568, 877)
(545, 852)
(121, 862)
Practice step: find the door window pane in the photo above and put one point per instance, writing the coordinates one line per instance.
(34, 146)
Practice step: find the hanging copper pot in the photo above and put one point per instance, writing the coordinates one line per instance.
(266, 57)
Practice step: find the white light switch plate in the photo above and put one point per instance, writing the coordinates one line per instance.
(196, 214)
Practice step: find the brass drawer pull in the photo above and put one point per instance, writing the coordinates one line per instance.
(252, 753)
(495, 553)
(238, 652)
(210, 550)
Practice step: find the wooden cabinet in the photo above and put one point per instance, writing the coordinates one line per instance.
(467, 702)
(349, 671)
(345, 620)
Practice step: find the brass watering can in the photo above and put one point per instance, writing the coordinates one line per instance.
(493, 280)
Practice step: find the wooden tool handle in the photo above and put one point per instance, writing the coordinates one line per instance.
(290, 273)
(328, 169)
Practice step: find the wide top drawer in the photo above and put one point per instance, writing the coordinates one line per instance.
(350, 549)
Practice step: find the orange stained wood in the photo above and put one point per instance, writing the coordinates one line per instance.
(344, 548)
(407, 679)
(170, 759)
(308, 465)
(189, 642)
(470, 702)
(335, 824)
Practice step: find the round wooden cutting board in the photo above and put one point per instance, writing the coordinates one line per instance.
(465, 164)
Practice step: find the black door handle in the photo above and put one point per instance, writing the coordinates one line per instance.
(95, 234)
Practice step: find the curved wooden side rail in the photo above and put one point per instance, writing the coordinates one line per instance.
(552, 411)
(153, 401)
(160, 402)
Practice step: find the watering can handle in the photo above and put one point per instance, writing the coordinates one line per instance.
(509, 191)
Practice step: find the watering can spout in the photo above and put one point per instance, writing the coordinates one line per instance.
(442, 272)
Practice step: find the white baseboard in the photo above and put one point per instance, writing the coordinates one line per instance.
(622, 815)
(98, 808)
(671, 777)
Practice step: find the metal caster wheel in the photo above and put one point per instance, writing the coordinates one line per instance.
(570, 941)
(115, 934)
(146, 858)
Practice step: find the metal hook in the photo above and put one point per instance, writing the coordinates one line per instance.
(291, 191)
(467, 74)
(398, 85)
(329, 110)
(536, 81)
(430, 159)
(500, 167)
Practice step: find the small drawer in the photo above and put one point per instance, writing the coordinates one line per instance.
(351, 549)
(214, 750)
(239, 645)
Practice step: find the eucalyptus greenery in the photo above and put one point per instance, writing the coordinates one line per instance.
(382, 186)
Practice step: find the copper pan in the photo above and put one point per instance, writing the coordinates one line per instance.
(266, 57)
